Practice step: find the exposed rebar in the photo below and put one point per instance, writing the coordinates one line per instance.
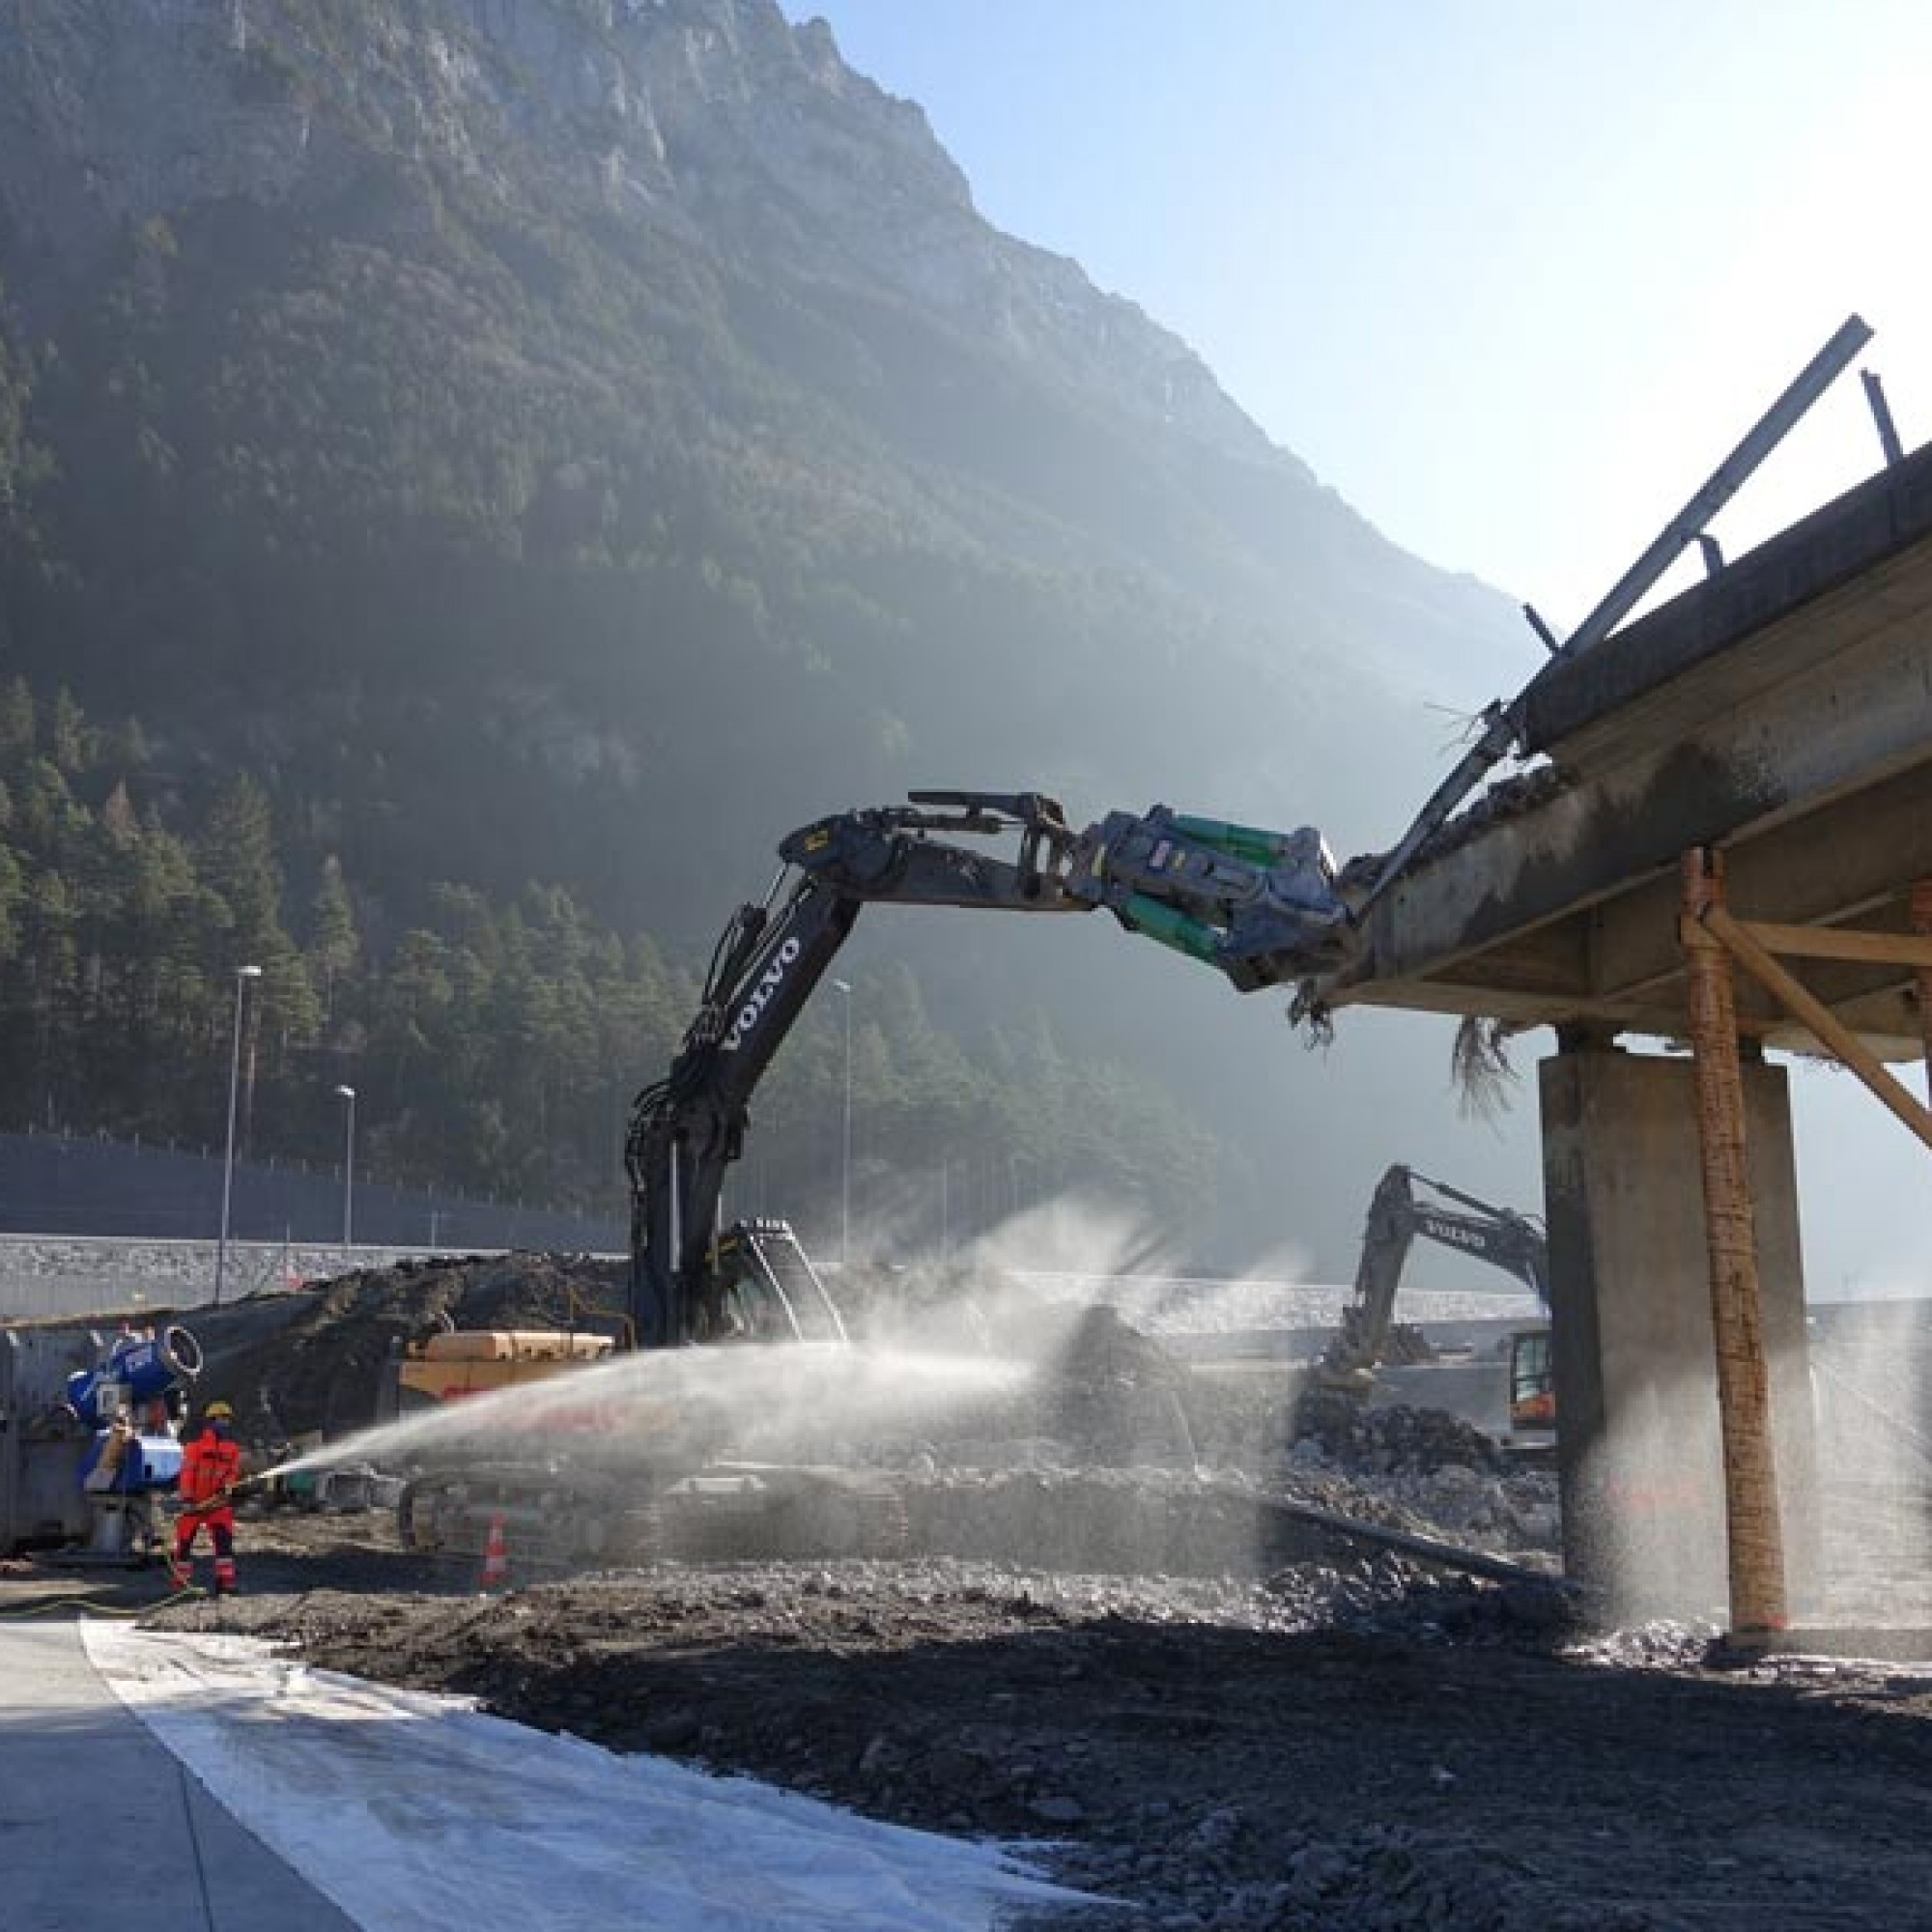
(1480, 1066)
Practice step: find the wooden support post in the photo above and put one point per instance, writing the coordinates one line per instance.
(1756, 1537)
(1921, 922)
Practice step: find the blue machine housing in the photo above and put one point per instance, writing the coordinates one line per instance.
(137, 1368)
(151, 1462)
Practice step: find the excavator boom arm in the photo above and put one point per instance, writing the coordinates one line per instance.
(1258, 905)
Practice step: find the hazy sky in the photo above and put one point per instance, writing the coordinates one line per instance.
(1512, 278)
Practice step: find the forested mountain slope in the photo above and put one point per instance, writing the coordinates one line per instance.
(573, 441)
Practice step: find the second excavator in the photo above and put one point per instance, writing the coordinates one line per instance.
(1407, 1207)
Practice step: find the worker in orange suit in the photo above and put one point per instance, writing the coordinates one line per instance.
(211, 1468)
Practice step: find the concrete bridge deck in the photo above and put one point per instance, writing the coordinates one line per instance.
(1781, 710)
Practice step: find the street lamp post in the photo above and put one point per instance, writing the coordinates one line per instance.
(348, 1093)
(845, 1166)
(242, 975)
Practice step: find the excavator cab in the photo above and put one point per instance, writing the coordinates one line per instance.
(767, 1289)
(1532, 1389)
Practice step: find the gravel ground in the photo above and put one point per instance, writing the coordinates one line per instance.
(1196, 1704)
(1340, 1746)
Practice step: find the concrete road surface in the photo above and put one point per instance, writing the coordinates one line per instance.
(99, 1821)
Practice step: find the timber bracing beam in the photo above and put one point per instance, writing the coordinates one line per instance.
(1755, 948)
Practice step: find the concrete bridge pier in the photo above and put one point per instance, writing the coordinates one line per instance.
(1641, 1462)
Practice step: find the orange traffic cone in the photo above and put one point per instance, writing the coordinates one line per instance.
(496, 1556)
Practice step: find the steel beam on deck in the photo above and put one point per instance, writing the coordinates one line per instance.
(1504, 723)
(1724, 483)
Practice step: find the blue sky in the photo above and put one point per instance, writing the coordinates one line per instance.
(1512, 275)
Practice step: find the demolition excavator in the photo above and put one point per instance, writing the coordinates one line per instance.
(1260, 907)
(1407, 1207)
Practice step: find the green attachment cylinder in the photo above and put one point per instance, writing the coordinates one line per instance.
(1247, 842)
(1171, 928)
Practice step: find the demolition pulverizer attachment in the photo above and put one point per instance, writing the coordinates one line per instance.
(1260, 905)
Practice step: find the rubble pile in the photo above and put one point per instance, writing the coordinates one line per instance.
(1329, 1427)
(1115, 1455)
(309, 1361)
(1434, 1471)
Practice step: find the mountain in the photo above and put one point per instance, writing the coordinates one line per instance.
(580, 439)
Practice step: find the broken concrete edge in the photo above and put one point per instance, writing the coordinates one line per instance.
(1840, 541)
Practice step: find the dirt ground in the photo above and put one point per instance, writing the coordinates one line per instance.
(1344, 1745)
(1194, 1704)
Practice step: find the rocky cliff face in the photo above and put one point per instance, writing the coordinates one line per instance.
(640, 283)
(683, 114)
(654, 285)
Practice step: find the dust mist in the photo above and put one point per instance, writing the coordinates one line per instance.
(1854, 1472)
(791, 1402)
(938, 1354)
(1649, 1503)
(1135, 1456)
(1073, 1253)
(1034, 1424)
(1871, 1368)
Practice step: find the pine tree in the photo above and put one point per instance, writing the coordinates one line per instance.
(291, 1013)
(462, 915)
(239, 861)
(51, 821)
(125, 748)
(50, 960)
(20, 727)
(13, 889)
(333, 943)
(66, 734)
(163, 985)
(118, 818)
(241, 867)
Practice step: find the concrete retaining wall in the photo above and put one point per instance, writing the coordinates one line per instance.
(73, 1276)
